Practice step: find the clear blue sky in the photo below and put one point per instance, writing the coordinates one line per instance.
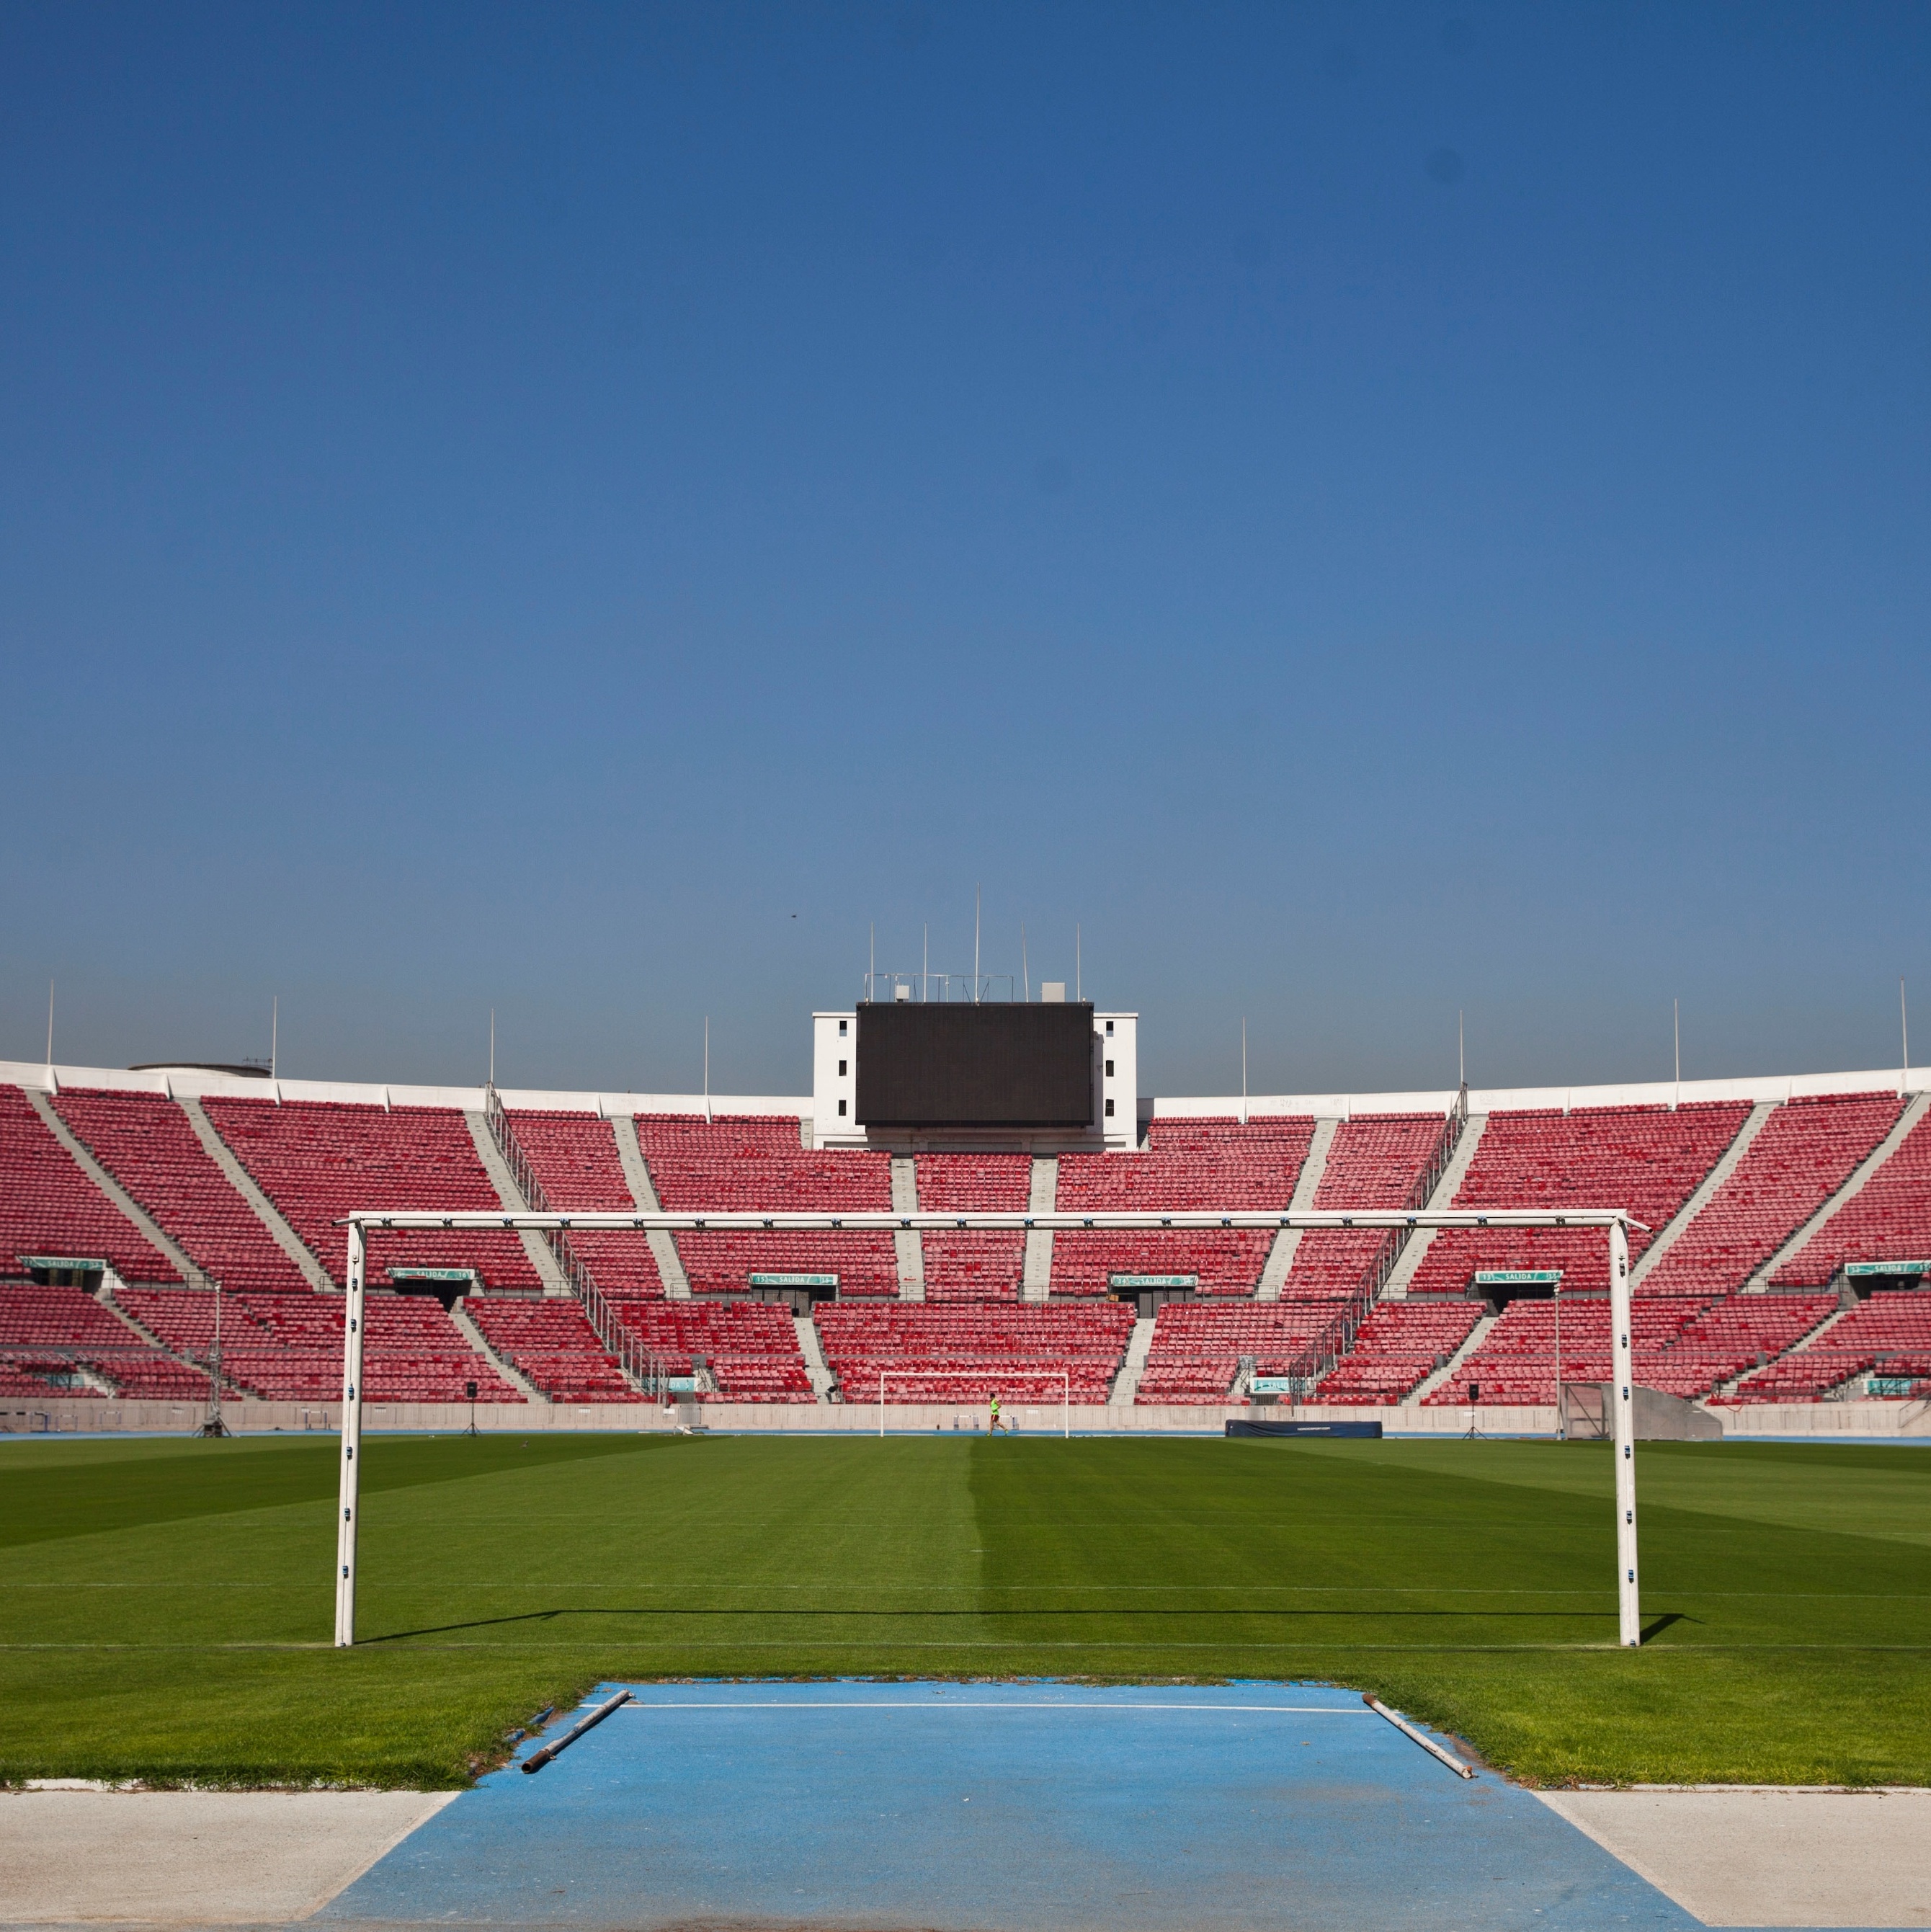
(1369, 511)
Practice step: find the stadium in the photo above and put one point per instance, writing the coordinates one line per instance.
(564, 1367)
(945, 1374)
(1781, 1232)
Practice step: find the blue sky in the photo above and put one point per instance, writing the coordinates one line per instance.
(1367, 511)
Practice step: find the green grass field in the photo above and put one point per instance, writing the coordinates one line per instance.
(166, 1606)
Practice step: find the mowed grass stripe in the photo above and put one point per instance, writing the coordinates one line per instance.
(1450, 1582)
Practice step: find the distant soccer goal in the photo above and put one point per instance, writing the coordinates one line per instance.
(1617, 1221)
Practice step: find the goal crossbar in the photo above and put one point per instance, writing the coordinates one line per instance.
(882, 1221)
(1615, 1221)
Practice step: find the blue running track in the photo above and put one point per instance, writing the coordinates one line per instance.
(1007, 1807)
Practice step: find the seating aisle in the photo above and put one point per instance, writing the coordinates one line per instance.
(48, 1207)
(576, 1158)
(1806, 1150)
(1648, 1160)
(1374, 1161)
(320, 1160)
(150, 1146)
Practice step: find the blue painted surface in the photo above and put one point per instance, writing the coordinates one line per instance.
(1046, 1806)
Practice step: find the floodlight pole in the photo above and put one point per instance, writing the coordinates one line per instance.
(1629, 1613)
(352, 1443)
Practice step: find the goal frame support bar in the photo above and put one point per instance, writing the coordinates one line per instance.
(1616, 1221)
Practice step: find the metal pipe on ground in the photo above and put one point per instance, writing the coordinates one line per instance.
(537, 1759)
(1407, 1730)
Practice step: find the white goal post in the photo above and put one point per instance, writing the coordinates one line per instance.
(1616, 1220)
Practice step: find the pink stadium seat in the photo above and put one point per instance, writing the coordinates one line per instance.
(1400, 1344)
(149, 1145)
(744, 1162)
(576, 1158)
(1889, 1219)
(1888, 1335)
(1204, 1164)
(974, 1266)
(1805, 1151)
(1647, 1159)
(288, 1347)
(1029, 1354)
(48, 1206)
(49, 1335)
(320, 1160)
(751, 1348)
(550, 1340)
(1684, 1344)
(1197, 1346)
(1374, 1161)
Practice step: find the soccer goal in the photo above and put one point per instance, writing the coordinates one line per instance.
(1617, 1221)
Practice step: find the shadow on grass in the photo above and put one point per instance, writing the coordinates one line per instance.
(661, 1613)
(1656, 1626)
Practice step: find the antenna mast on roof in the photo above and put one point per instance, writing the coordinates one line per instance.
(493, 1047)
(925, 961)
(50, 1022)
(1676, 1022)
(1243, 1069)
(1077, 994)
(974, 945)
(1903, 1022)
(1025, 971)
(707, 1069)
(275, 1030)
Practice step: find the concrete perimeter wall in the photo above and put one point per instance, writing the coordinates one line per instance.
(1899, 1420)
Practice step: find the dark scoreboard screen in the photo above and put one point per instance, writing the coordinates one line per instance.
(939, 1063)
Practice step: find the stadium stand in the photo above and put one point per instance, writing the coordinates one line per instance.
(575, 1157)
(1697, 1336)
(550, 1340)
(288, 1347)
(48, 1206)
(747, 1161)
(963, 1354)
(1197, 1346)
(750, 1349)
(1400, 1344)
(1647, 1159)
(1806, 1150)
(1374, 1161)
(974, 1266)
(1889, 1219)
(149, 1146)
(48, 1334)
(1729, 1336)
(1685, 1345)
(318, 1160)
(1888, 1335)
(1187, 1164)
(24, 1373)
